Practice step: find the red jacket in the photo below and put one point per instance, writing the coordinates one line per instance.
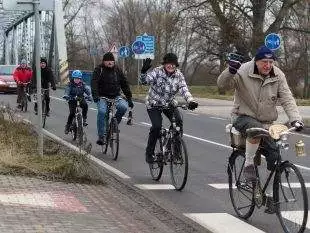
(22, 75)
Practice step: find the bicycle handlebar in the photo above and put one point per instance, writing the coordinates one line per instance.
(108, 99)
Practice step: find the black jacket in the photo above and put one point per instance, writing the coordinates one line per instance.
(107, 82)
(46, 78)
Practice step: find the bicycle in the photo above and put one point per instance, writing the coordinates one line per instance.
(171, 148)
(44, 94)
(246, 195)
(77, 129)
(112, 131)
(25, 97)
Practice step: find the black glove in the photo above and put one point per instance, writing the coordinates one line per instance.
(234, 62)
(146, 65)
(54, 88)
(96, 99)
(130, 103)
(298, 125)
(192, 105)
(67, 98)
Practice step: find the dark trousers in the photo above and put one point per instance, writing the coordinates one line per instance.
(156, 119)
(267, 147)
(48, 100)
(20, 93)
(72, 107)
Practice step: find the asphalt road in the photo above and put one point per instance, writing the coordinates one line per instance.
(208, 153)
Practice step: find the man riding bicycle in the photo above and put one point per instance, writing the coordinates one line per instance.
(76, 88)
(47, 79)
(259, 85)
(22, 75)
(107, 81)
(165, 82)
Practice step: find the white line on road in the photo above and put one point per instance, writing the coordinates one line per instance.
(219, 118)
(295, 216)
(295, 185)
(208, 141)
(155, 186)
(191, 113)
(220, 186)
(222, 223)
(226, 185)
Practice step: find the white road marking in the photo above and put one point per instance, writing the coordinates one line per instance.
(296, 185)
(222, 223)
(144, 123)
(219, 118)
(208, 141)
(91, 157)
(295, 216)
(220, 186)
(191, 113)
(56, 98)
(155, 186)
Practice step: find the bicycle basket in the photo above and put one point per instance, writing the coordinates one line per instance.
(236, 139)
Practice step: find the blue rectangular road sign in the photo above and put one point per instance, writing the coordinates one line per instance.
(149, 42)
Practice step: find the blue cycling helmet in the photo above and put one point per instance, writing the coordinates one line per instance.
(77, 74)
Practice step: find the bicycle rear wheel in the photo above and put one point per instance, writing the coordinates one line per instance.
(73, 129)
(178, 163)
(156, 168)
(291, 200)
(24, 103)
(43, 112)
(114, 138)
(240, 192)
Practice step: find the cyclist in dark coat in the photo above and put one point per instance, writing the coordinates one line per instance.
(76, 88)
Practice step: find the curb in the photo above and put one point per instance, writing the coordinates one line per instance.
(162, 210)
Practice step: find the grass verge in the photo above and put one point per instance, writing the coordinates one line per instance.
(18, 156)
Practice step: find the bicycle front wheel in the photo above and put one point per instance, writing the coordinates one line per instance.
(156, 168)
(240, 192)
(291, 200)
(24, 103)
(178, 163)
(79, 130)
(114, 138)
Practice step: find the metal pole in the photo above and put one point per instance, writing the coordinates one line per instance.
(124, 65)
(38, 75)
(138, 71)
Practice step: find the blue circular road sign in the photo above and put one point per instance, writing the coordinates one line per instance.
(138, 47)
(273, 41)
(124, 51)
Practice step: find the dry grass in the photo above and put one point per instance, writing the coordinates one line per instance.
(19, 156)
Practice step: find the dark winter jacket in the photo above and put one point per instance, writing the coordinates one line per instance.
(108, 82)
(72, 90)
(46, 78)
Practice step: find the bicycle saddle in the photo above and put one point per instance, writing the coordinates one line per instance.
(257, 133)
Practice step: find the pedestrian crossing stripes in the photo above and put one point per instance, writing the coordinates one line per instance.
(222, 223)
(155, 186)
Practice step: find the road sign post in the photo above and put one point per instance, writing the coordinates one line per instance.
(124, 52)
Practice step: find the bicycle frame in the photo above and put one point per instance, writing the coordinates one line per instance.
(111, 110)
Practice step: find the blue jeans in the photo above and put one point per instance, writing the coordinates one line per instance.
(121, 108)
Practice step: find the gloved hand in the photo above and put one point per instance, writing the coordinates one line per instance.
(146, 65)
(298, 125)
(234, 66)
(54, 88)
(234, 62)
(130, 103)
(96, 99)
(66, 97)
(192, 105)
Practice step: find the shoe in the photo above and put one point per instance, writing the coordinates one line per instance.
(149, 159)
(85, 123)
(19, 106)
(249, 173)
(270, 207)
(36, 112)
(101, 140)
(67, 128)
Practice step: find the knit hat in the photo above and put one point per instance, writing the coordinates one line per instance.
(170, 58)
(108, 57)
(263, 52)
(23, 61)
(43, 59)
